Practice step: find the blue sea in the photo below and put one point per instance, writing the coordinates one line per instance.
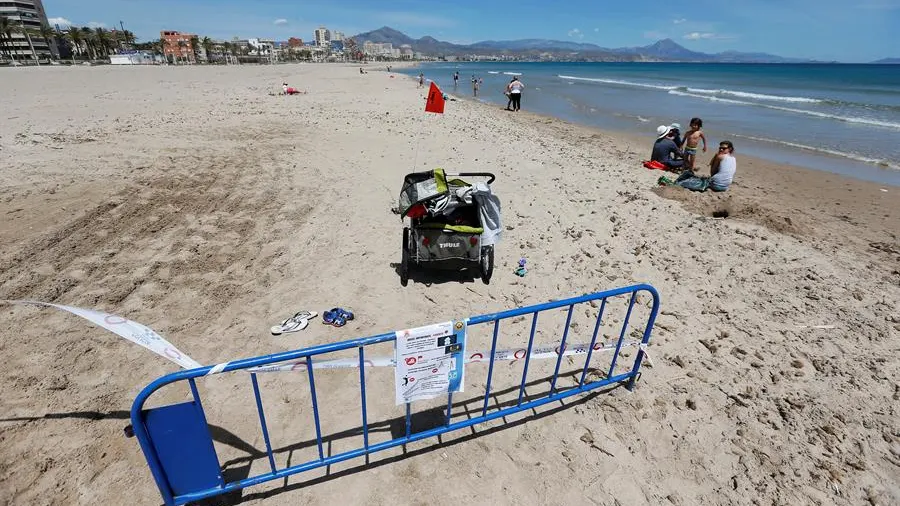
(843, 119)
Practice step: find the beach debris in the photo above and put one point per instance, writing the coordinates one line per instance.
(521, 271)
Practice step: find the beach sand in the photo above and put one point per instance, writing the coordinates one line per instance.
(194, 201)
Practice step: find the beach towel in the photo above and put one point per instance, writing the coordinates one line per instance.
(694, 183)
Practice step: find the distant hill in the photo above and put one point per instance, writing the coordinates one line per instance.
(894, 61)
(663, 50)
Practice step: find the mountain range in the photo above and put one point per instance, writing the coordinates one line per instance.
(662, 50)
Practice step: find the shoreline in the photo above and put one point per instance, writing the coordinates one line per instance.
(785, 198)
(854, 166)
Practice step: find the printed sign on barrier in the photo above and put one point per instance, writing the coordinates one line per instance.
(430, 361)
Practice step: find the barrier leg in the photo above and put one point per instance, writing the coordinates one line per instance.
(362, 394)
(487, 390)
(262, 421)
(590, 351)
(612, 365)
(527, 358)
(312, 389)
(562, 349)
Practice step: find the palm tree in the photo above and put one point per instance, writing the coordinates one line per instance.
(161, 45)
(102, 38)
(74, 36)
(207, 44)
(129, 39)
(49, 36)
(195, 47)
(90, 48)
(181, 45)
(6, 30)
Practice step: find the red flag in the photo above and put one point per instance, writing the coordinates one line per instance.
(435, 102)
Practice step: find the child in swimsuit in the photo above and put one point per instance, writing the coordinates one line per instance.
(692, 142)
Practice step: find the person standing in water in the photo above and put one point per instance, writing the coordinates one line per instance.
(515, 88)
(476, 83)
(456, 79)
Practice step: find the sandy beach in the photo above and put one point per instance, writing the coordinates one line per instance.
(198, 202)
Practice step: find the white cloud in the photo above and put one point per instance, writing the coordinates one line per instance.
(679, 21)
(62, 22)
(280, 22)
(575, 32)
(707, 36)
(96, 24)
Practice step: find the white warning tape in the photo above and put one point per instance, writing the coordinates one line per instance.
(133, 331)
(502, 355)
(218, 368)
(149, 339)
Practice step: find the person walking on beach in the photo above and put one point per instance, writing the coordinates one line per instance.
(515, 88)
(722, 167)
(421, 80)
(665, 151)
(692, 142)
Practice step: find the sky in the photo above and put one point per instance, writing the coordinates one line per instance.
(853, 31)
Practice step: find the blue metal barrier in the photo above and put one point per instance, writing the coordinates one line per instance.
(179, 449)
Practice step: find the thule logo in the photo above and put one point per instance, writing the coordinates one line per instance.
(449, 245)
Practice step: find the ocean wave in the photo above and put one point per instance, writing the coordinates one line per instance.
(817, 114)
(860, 158)
(493, 72)
(513, 73)
(755, 96)
(619, 82)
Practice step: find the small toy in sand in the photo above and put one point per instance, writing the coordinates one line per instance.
(521, 270)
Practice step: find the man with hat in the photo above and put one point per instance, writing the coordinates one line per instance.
(665, 150)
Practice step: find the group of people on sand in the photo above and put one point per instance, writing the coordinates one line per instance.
(679, 154)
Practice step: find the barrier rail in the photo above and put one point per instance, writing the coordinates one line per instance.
(178, 445)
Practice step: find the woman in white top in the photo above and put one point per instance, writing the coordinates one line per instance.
(515, 88)
(722, 167)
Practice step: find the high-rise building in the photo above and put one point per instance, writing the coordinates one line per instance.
(336, 35)
(28, 14)
(322, 36)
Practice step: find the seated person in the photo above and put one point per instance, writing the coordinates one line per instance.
(676, 128)
(665, 151)
(722, 167)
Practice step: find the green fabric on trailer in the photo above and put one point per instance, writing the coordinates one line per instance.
(463, 229)
(440, 180)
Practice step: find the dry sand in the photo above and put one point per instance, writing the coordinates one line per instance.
(192, 200)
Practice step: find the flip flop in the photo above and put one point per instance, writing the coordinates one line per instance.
(299, 321)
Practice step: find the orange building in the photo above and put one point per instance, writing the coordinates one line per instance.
(294, 42)
(177, 45)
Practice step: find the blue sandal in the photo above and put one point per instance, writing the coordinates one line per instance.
(337, 317)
